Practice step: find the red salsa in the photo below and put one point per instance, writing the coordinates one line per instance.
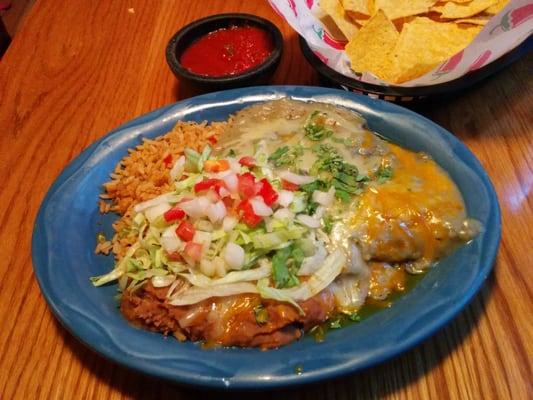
(227, 51)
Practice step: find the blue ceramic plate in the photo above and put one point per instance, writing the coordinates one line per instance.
(65, 234)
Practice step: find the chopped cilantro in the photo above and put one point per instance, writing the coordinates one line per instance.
(347, 183)
(285, 264)
(342, 195)
(318, 184)
(311, 207)
(335, 324)
(261, 315)
(328, 222)
(315, 129)
(384, 174)
(354, 317)
(348, 142)
(328, 159)
(280, 151)
(298, 256)
(286, 156)
(231, 153)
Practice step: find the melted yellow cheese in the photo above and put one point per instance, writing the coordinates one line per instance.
(410, 216)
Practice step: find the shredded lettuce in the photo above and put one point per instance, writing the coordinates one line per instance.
(197, 294)
(326, 274)
(268, 292)
(187, 183)
(118, 271)
(321, 279)
(277, 239)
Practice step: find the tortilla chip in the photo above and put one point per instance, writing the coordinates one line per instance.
(424, 43)
(399, 22)
(358, 9)
(474, 21)
(463, 10)
(334, 9)
(395, 9)
(497, 7)
(371, 49)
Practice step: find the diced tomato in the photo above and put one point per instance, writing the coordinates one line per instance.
(267, 192)
(216, 165)
(247, 186)
(206, 184)
(185, 231)
(193, 251)
(168, 160)
(248, 215)
(174, 214)
(174, 256)
(293, 187)
(228, 202)
(212, 139)
(247, 161)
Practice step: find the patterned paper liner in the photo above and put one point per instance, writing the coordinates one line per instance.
(503, 33)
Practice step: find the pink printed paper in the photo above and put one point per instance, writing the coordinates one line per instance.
(504, 32)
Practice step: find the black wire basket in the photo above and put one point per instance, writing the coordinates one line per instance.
(404, 95)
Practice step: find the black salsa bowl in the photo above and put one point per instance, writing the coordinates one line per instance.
(257, 75)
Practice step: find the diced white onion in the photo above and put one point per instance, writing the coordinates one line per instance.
(284, 213)
(233, 254)
(259, 206)
(164, 198)
(324, 198)
(170, 240)
(203, 238)
(207, 267)
(212, 196)
(319, 213)
(220, 267)
(177, 168)
(196, 208)
(231, 182)
(247, 275)
(308, 221)
(234, 164)
(285, 198)
(216, 212)
(221, 174)
(295, 178)
(153, 212)
(229, 223)
(223, 192)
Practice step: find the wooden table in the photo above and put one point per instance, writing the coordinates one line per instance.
(77, 69)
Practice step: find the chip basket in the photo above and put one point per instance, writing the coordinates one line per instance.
(406, 95)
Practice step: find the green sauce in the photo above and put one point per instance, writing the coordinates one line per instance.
(370, 308)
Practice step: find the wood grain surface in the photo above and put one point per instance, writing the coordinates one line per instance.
(77, 69)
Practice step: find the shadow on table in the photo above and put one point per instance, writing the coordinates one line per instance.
(480, 110)
(379, 381)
